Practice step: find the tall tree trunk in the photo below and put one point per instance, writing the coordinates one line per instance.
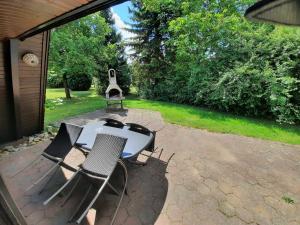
(67, 90)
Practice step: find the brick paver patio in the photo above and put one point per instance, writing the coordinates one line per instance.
(212, 179)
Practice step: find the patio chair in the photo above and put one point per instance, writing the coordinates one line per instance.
(143, 130)
(59, 148)
(151, 146)
(113, 123)
(98, 166)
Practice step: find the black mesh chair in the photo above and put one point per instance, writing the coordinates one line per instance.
(143, 130)
(59, 148)
(99, 165)
(113, 123)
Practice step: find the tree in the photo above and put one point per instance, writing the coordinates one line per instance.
(206, 53)
(117, 60)
(80, 47)
(150, 49)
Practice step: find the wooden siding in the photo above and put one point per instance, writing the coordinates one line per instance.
(22, 87)
(18, 16)
(7, 128)
(31, 86)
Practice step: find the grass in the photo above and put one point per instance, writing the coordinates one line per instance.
(288, 200)
(58, 108)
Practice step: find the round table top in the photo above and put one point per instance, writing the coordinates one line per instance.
(136, 142)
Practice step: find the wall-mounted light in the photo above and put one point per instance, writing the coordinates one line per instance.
(30, 59)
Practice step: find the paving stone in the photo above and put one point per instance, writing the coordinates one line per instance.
(225, 188)
(236, 221)
(174, 213)
(244, 215)
(227, 209)
(212, 179)
(163, 220)
(147, 215)
(36, 217)
(132, 221)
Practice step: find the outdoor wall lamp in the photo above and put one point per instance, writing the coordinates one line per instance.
(30, 59)
(285, 12)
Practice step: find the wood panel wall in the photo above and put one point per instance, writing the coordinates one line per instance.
(22, 87)
(32, 81)
(7, 125)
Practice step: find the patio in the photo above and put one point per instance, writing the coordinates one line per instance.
(211, 179)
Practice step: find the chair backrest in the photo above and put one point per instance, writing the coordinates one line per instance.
(64, 141)
(10, 214)
(138, 128)
(151, 146)
(113, 123)
(143, 130)
(104, 155)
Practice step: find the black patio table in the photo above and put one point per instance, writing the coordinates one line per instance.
(136, 142)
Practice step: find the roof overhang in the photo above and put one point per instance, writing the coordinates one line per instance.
(285, 12)
(22, 19)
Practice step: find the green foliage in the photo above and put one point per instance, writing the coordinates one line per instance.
(76, 46)
(117, 61)
(288, 200)
(85, 49)
(54, 80)
(150, 47)
(205, 53)
(79, 82)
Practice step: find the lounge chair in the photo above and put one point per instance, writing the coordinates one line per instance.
(99, 165)
(59, 148)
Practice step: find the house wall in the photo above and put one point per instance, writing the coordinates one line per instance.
(6, 105)
(22, 87)
(32, 86)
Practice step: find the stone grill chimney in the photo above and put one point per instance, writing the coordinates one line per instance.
(113, 91)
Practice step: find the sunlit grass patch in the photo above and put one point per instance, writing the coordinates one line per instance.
(58, 108)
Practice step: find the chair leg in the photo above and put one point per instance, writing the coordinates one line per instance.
(43, 177)
(93, 201)
(113, 189)
(71, 192)
(123, 192)
(137, 163)
(81, 202)
(60, 189)
(48, 181)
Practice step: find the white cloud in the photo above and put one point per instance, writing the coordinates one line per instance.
(121, 26)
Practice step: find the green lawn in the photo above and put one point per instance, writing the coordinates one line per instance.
(58, 108)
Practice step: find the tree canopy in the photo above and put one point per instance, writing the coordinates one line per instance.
(86, 49)
(206, 53)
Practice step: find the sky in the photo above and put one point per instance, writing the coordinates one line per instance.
(121, 17)
(122, 11)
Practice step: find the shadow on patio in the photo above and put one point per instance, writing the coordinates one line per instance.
(147, 190)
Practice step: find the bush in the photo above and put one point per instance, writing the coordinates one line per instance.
(79, 82)
(54, 80)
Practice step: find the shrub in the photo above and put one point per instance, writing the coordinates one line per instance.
(54, 80)
(79, 82)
